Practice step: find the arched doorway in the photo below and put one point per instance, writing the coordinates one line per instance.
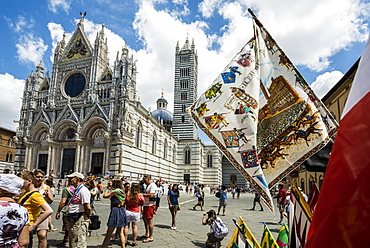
(233, 181)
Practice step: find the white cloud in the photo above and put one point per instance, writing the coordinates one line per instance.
(54, 5)
(207, 7)
(30, 49)
(10, 103)
(312, 31)
(325, 82)
(20, 24)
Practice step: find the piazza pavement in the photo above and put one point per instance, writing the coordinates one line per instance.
(190, 232)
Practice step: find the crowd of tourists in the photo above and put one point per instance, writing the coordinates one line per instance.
(26, 200)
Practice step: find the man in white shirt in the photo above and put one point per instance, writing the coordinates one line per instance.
(79, 212)
(149, 208)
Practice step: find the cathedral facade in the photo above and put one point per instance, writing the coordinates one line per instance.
(86, 116)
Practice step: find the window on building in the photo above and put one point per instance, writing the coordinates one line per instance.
(184, 58)
(209, 160)
(321, 180)
(183, 108)
(139, 134)
(174, 154)
(184, 72)
(183, 119)
(184, 96)
(165, 149)
(10, 142)
(75, 84)
(302, 184)
(184, 84)
(9, 157)
(187, 156)
(154, 143)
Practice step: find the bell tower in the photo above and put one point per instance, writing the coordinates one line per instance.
(185, 90)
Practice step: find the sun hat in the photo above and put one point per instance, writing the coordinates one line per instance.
(76, 174)
(11, 183)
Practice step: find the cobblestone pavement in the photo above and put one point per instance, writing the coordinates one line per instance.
(190, 232)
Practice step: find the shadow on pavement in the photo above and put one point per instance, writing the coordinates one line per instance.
(199, 244)
(162, 226)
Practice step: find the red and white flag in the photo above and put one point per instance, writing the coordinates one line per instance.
(342, 214)
(313, 198)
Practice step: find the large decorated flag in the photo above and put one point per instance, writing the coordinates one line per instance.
(342, 213)
(242, 236)
(268, 240)
(262, 114)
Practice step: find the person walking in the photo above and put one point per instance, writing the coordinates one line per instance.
(281, 197)
(149, 208)
(79, 212)
(15, 231)
(173, 203)
(222, 200)
(90, 185)
(99, 186)
(200, 195)
(134, 201)
(34, 202)
(45, 190)
(158, 195)
(117, 217)
(257, 199)
(67, 194)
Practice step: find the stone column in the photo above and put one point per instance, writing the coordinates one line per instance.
(78, 166)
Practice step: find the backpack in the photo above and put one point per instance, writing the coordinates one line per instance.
(220, 230)
(218, 194)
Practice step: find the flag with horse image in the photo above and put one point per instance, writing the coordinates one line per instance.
(293, 123)
(228, 110)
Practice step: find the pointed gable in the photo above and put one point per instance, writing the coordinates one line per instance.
(78, 46)
(45, 85)
(107, 75)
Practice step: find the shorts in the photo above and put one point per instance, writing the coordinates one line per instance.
(281, 207)
(132, 216)
(213, 239)
(148, 212)
(43, 225)
(222, 203)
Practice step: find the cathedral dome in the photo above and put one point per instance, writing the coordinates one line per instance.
(162, 114)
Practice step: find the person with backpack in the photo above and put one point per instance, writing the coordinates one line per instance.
(218, 229)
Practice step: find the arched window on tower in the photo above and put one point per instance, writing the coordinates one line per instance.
(10, 142)
(139, 134)
(154, 143)
(174, 154)
(209, 160)
(187, 155)
(9, 157)
(165, 149)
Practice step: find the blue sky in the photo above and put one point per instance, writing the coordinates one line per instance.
(322, 37)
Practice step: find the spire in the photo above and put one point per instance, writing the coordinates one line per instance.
(102, 31)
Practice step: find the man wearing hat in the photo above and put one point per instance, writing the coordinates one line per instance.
(79, 212)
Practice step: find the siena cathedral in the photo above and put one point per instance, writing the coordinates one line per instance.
(86, 116)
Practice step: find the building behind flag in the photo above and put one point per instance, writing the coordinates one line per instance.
(342, 214)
